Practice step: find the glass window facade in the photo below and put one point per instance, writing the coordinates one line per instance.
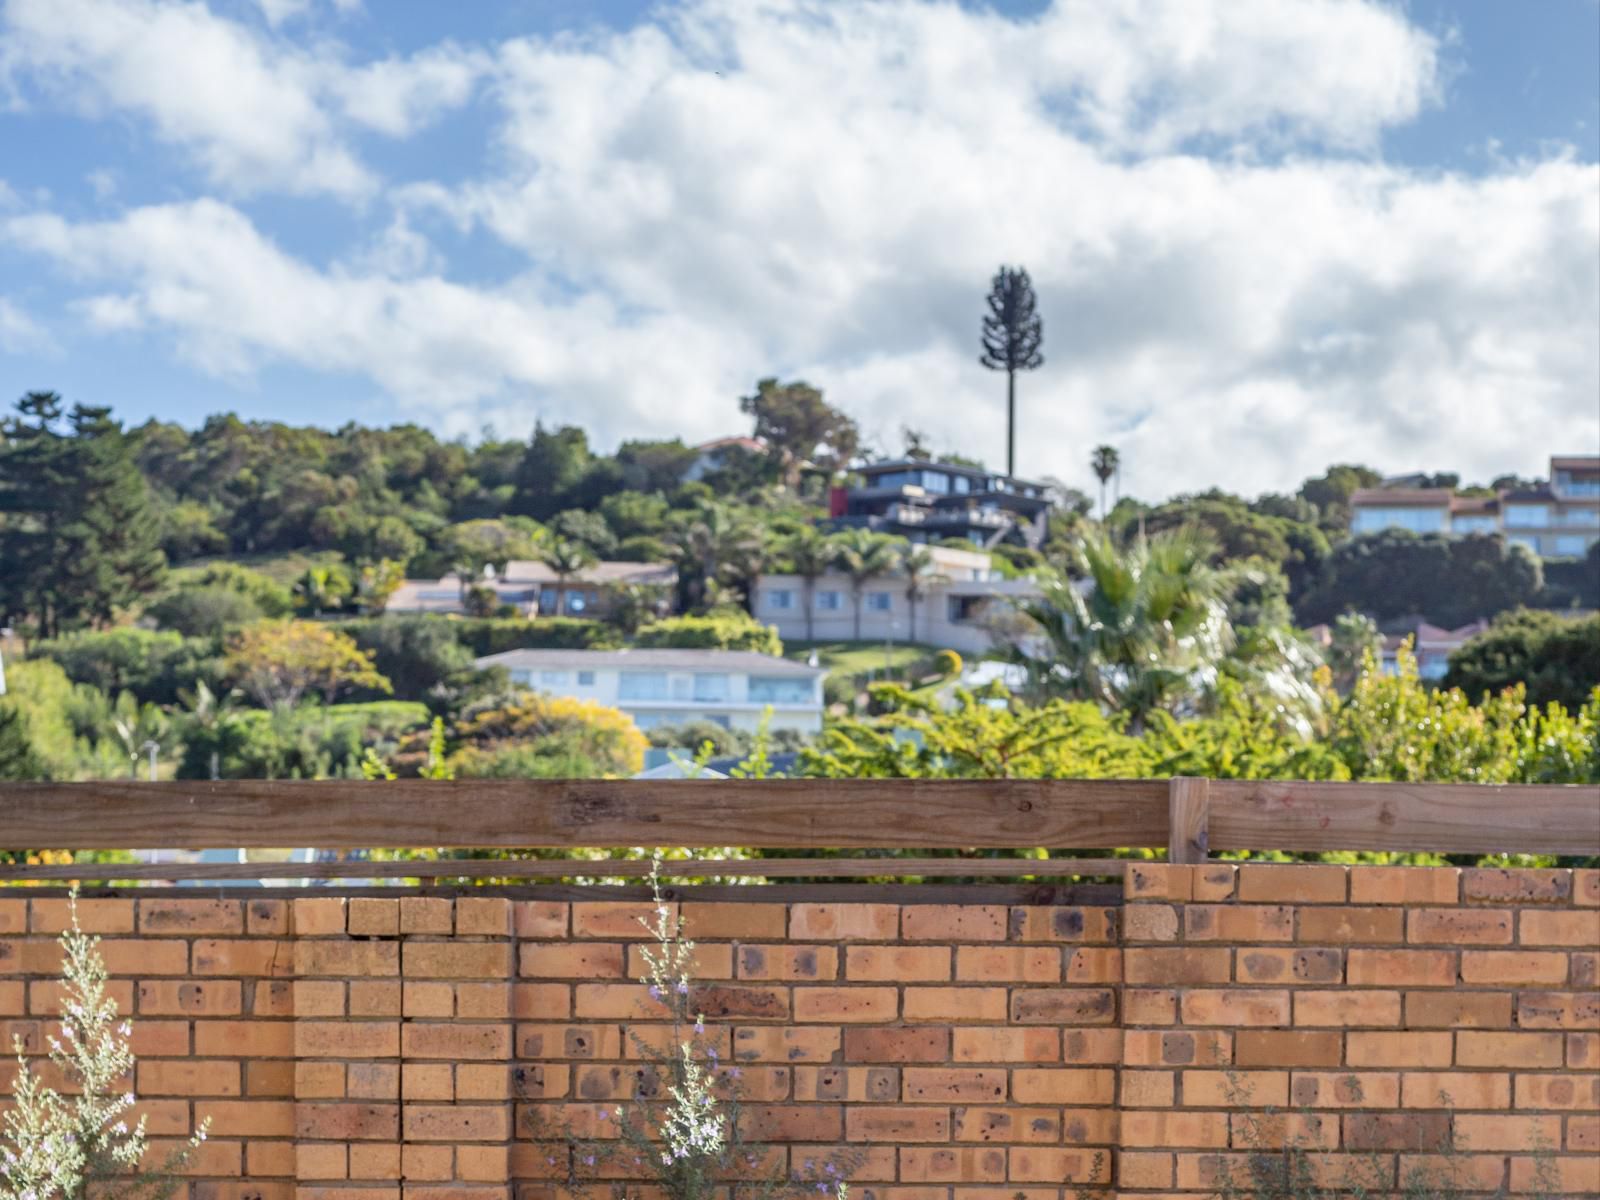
(879, 602)
(711, 689)
(780, 689)
(780, 599)
(1526, 516)
(1417, 520)
(642, 685)
(830, 601)
(553, 678)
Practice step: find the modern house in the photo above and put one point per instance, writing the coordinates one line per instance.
(1556, 519)
(731, 688)
(715, 454)
(958, 607)
(1432, 646)
(930, 501)
(534, 589)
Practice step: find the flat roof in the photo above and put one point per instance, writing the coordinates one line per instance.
(899, 464)
(1402, 497)
(647, 660)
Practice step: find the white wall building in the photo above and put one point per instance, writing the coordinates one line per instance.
(956, 610)
(731, 688)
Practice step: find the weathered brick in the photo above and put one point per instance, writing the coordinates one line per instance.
(455, 1041)
(1150, 1047)
(896, 1124)
(1262, 964)
(953, 1085)
(342, 959)
(483, 916)
(1400, 968)
(1147, 1089)
(1347, 1089)
(1047, 1164)
(191, 916)
(1558, 1010)
(1094, 964)
(1507, 967)
(1004, 1045)
(348, 1122)
(1235, 1006)
(716, 1002)
(1035, 1085)
(1413, 1048)
(1423, 1132)
(1302, 884)
(845, 922)
(768, 1043)
(1281, 1048)
(1165, 1129)
(319, 916)
(1586, 887)
(955, 1004)
(1187, 964)
(846, 1004)
(456, 960)
(792, 1122)
(1518, 885)
(1151, 922)
(1459, 926)
(1476, 1048)
(1158, 881)
(899, 964)
(1565, 1092)
(617, 919)
(1148, 1006)
(1041, 924)
(1579, 929)
(1455, 1090)
(897, 1044)
(1477, 1010)
(187, 1077)
(243, 1039)
(1238, 922)
(346, 1039)
(1063, 1006)
(572, 960)
(456, 1123)
(318, 1080)
(249, 956)
(374, 998)
(785, 962)
(1234, 1089)
(1503, 1131)
(94, 916)
(951, 1164)
(432, 915)
(1346, 1007)
(1345, 925)
(745, 921)
(194, 998)
(1405, 885)
(953, 922)
(372, 1081)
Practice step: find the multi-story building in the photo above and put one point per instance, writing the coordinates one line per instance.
(929, 501)
(1556, 519)
(957, 608)
(534, 589)
(731, 688)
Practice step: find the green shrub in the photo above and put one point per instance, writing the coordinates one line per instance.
(716, 631)
(948, 664)
(493, 635)
(270, 596)
(309, 742)
(155, 666)
(207, 611)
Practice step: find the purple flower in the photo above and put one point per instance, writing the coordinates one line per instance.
(683, 988)
(655, 992)
(589, 1162)
(822, 1187)
(604, 1115)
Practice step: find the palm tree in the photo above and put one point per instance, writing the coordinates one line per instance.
(1105, 463)
(863, 555)
(566, 558)
(709, 543)
(811, 553)
(922, 573)
(320, 588)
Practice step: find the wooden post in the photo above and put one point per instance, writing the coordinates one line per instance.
(1189, 812)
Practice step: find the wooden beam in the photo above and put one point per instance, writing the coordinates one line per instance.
(1445, 818)
(770, 814)
(1188, 813)
(575, 868)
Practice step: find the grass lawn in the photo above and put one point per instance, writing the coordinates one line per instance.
(858, 658)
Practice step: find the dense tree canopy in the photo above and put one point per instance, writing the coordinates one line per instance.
(1556, 657)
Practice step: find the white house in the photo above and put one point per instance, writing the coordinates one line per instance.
(536, 590)
(731, 688)
(957, 609)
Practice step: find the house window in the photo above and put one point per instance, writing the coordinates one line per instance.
(1417, 520)
(961, 609)
(585, 678)
(1473, 524)
(936, 481)
(577, 602)
(830, 601)
(642, 685)
(711, 689)
(779, 689)
(963, 485)
(780, 599)
(548, 598)
(1570, 545)
(1528, 515)
(553, 679)
(878, 601)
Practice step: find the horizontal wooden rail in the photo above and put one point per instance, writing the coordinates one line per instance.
(1187, 816)
(573, 868)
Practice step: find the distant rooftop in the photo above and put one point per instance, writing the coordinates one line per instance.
(646, 660)
(925, 464)
(1402, 497)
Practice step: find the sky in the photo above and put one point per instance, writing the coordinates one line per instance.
(1266, 235)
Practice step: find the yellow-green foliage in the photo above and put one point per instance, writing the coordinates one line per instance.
(528, 734)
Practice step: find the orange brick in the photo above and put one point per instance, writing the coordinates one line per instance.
(1573, 1175)
(265, 1159)
(318, 997)
(1041, 924)
(1214, 882)
(1292, 884)
(1155, 1128)
(1478, 1010)
(845, 922)
(374, 1161)
(1513, 967)
(427, 1081)
(348, 1121)
(752, 922)
(1344, 925)
(457, 960)
(1151, 922)
(1558, 1010)
(1149, 1047)
(766, 1043)
(1505, 1132)
(1235, 1089)
(1280, 1048)
(146, 956)
(1347, 1089)
(846, 1004)
(249, 956)
(187, 1077)
(1460, 926)
(897, 1044)
(1145, 1171)
(13, 916)
(430, 914)
(1147, 1089)
(94, 916)
(952, 1164)
(1581, 929)
(1260, 964)
(954, 1085)
(1413, 1048)
(1515, 884)
(272, 998)
(716, 1002)
(320, 916)
(1158, 881)
(955, 1004)
(1486, 1049)
(1235, 1006)
(1397, 1131)
(572, 960)
(1456, 1090)
(455, 1041)
(483, 1001)
(708, 961)
(1405, 885)
(1063, 1006)
(529, 919)
(902, 964)
(482, 1163)
(1149, 1006)
(171, 997)
(782, 962)
(456, 1123)
(274, 1078)
(1346, 1007)
(373, 918)
(953, 922)
(1585, 887)
(268, 918)
(191, 916)
(895, 1124)
(1020, 964)
(1178, 965)
(373, 1081)
(375, 998)
(1033, 1085)
(483, 916)
(591, 1001)
(318, 1080)
(1401, 968)
(314, 1160)
(483, 1081)
(251, 1118)
(342, 959)
(244, 1039)
(617, 918)
(988, 1045)
(1238, 923)
(1046, 1164)
(792, 1122)
(1564, 1091)
(1583, 1050)
(1583, 1134)
(346, 1039)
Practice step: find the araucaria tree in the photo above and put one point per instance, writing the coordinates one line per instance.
(1105, 462)
(1011, 337)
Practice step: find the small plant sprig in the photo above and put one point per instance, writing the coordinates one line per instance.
(57, 1147)
(683, 1131)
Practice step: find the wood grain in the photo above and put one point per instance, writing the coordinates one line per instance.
(1188, 811)
(771, 814)
(1442, 817)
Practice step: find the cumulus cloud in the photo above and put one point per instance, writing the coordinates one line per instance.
(1236, 288)
(20, 333)
(254, 111)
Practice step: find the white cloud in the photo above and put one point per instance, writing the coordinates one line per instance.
(751, 187)
(20, 333)
(254, 111)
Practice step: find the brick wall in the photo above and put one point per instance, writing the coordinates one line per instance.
(354, 1047)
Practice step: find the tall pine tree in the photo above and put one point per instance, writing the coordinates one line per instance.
(1012, 333)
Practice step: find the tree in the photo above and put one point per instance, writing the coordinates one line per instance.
(418, 654)
(322, 587)
(204, 611)
(472, 546)
(1448, 581)
(1105, 463)
(801, 427)
(810, 554)
(629, 606)
(922, 572)
(706, 543)
(1353, 641)
(17, 759)
(378, 582)
(566, 559)
(863, 556)
(551, 471)
(279, 662)
(1012, 333)
(1555, 657)
(1331, 492)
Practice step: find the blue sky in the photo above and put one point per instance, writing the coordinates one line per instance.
(1267, 234)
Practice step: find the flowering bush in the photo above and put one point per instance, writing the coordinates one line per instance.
(683, 1131)
(57, 1147)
